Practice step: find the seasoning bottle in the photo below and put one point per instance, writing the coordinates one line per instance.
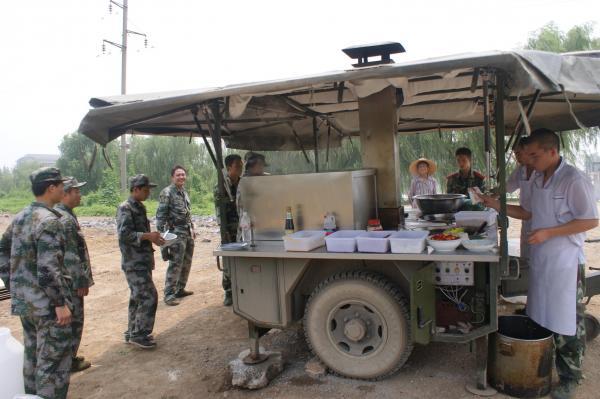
(289, 221)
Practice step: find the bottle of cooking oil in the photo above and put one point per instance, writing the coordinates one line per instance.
(289, 221)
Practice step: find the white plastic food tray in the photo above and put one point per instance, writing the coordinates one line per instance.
(342, 241)
(304, 240)
(408, 241)
(373, 241)
(475, 218)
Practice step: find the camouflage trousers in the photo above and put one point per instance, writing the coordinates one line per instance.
(143, 301)
(179, 267)
(77, 322)
(226, 280)
(47, 362)
(570, 349)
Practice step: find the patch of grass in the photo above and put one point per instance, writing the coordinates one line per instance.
(13, 203)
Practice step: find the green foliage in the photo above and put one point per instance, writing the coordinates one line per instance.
(15, 201)
(76, 154)
(551, 38)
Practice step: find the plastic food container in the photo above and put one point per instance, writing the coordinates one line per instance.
(304, 240)
(475, 218)
(342, 240)
(408, 241)
(373, 241)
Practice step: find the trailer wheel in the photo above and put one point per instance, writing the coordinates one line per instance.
(357, 323)
(592, 327)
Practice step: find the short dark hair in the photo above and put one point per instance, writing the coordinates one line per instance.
(175, 168)
(231, 158)
(40, 188)
(521, 142)
(545, 138)
(463, 151)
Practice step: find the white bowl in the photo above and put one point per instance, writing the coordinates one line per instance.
(169, 238)
(479, 245)
(444, 246)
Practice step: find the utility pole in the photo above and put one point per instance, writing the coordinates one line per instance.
(123, 46)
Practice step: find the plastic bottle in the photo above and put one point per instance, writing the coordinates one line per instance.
(245, 226)
(11, 365)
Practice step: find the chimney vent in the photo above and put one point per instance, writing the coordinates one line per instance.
(364, 51)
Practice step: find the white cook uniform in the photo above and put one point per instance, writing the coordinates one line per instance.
(567, 195)
(518, 181)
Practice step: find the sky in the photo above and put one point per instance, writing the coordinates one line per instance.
(51, 60)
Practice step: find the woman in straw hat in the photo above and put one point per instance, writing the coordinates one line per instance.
(423, 183)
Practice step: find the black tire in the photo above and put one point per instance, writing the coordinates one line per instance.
(592, 327)
(369, 304)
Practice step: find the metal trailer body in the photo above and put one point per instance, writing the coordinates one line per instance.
(505, 93)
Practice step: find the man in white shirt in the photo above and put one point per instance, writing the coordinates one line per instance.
(561, 210)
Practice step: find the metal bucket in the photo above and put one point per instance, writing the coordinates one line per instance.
(520, 357)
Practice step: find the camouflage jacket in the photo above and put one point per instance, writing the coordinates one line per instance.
(77, 258)
(31, 262)
(173, 212)
(132, 223)
(456, 184)
(231, 211)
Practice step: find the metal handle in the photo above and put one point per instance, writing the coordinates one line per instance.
(219, 263)
(518, 273)
(420, 323)
(505, 349)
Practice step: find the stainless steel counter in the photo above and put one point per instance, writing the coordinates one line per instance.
(274, 249)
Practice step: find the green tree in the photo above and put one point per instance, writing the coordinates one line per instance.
(550, 38)
(76, 154)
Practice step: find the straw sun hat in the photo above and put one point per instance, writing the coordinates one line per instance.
(413, 166)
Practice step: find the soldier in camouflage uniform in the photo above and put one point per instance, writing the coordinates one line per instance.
(174, 215)
(77, 264)
(233, 164)
(31, 266)
(465, 178)
(137, 262)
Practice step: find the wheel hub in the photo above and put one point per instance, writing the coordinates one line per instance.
(356, 328)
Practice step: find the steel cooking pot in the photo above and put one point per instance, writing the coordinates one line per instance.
(440, 203)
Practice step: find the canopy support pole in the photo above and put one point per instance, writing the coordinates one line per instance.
(316, 139)
(501, 163)
(517, 133)
(486, 125)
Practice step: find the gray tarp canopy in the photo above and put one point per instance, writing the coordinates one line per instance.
(437, 93)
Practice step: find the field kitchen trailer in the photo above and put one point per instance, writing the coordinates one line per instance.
(363, 312)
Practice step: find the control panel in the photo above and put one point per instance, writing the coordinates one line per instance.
(453, 273)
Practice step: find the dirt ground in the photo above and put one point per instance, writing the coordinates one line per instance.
(198, 338)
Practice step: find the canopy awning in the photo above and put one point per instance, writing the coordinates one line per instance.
(438, 93)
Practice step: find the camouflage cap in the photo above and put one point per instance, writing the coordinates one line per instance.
(140, 181)
(46, 174)
(71, 182)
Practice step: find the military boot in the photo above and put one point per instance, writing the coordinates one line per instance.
(565, 390)
(228, 300)
(79, 364)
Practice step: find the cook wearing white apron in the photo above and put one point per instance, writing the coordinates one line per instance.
(567, 195)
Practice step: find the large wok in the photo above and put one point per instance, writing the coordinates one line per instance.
(440, 203)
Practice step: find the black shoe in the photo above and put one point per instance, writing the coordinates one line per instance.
(126, 336)
(183, 293)
(228, 301)
(142, 342)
